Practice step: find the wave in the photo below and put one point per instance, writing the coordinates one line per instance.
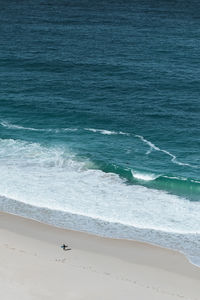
(143, 176)
(157, 177)
(173, 157)
(149, 143)
(56, 130)
(103, 132)
(106, 132)
(53, 177)
(170, 183)
(12, 126)
(52, 185)
(151, 177)
(184, 187)
(178, 185)
(18, 127)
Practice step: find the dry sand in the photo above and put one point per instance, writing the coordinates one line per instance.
(33, 266)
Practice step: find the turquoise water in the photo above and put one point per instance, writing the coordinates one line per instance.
(99, 117)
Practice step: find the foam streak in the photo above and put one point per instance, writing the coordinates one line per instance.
(18, 127)
(154, 147)
(106, 132)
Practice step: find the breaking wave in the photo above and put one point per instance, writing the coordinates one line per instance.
(54, 178)
(143, 176)
(152, 146)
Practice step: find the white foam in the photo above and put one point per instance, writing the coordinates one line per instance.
(69, 129)
(18, 127)
(151, 145)
(195, 181)
(106, 132)
(124, 133)
(52, 178)
(13, 126)
(175, 177)
(144, 176)
(154, 147)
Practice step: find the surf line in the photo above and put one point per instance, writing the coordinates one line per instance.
(18, 127)
(154, 147)
(105, 132)
(150, 144)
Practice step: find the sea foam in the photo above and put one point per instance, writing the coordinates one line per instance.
(106, 132)
(18, 127)
(154, 147)
(144, 176)
(54, 178)
(151, 145)
(50, 184)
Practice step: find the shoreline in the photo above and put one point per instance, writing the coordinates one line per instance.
(186, 244)
(96, 235)
(121, 266)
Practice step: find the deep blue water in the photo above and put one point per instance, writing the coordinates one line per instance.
(100, 110)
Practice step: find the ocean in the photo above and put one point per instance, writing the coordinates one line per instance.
(100, 117)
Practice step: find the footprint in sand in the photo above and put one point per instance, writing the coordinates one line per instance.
(106, 273)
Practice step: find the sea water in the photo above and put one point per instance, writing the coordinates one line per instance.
(100, 117)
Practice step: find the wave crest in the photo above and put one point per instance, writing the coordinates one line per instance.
(144, 176)
(18, 127)
(106, 132)
(54, 178)
(173, 157)
(151, 145)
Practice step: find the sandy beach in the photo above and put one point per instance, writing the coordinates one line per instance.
(34, 266)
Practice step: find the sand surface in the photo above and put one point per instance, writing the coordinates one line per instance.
(33, 266)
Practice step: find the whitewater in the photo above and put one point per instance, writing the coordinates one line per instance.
(99, 118)
(59, 186)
